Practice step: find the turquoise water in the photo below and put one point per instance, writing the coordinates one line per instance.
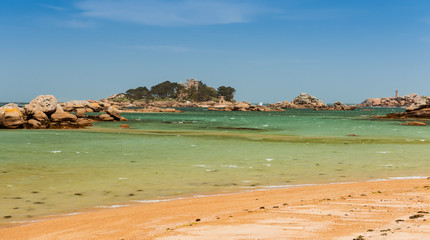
(171, 155)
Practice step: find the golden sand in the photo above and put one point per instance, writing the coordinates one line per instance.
(396, 209)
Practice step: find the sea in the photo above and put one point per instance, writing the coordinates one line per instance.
(164, 156)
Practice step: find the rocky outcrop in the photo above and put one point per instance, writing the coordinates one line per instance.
(153, 110)
(11, 116)
(45, 112)
(419, 112)
(106, 117)
(338, 106)
(246, 107)
(112, 111)
(41, 117)
(81, 113)
(89, 106)
(413, 100)
(44, 103)
(305, 100)
(32, 123)
(61, 116)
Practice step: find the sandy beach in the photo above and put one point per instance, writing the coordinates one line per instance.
(395, 209)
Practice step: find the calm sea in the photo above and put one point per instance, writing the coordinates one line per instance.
(173, 155)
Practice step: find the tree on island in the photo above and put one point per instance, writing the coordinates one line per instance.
(138, 93)
(227, 92)
(197, 92)
(166, 89)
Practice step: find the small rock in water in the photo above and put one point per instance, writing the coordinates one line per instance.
(124, 126)
(414, 124)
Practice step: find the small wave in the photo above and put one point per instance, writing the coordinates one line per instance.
(71, 214)
(229, 166)
(113, 206)
(56, 151)
(199, 165)
(382, 152)
(388, 165)
(122, 178)
(405, 178)
(269, 159)
(267, 164)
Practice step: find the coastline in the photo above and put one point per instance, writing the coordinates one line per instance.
(338, 210)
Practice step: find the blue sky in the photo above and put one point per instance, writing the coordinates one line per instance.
(268, 50)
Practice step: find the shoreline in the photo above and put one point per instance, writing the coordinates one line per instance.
(180, 217)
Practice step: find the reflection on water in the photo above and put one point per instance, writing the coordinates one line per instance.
(165, 156)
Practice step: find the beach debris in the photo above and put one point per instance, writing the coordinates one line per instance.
(423, 212)
(416, 216)
(359, 238)
(8, 216)
(198, 220)
(399, 220)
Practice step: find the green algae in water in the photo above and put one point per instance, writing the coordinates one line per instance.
(45, 172)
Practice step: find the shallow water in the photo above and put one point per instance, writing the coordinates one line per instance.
(171, 155)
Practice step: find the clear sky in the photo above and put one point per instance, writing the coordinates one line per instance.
(269, 50)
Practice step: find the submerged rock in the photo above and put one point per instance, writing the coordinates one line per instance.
(414, 124)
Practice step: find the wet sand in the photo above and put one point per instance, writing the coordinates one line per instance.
(395, 209)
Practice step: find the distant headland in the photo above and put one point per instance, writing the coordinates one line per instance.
(45, 111)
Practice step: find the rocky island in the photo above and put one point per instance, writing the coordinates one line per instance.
(397, 101)
(45, 112)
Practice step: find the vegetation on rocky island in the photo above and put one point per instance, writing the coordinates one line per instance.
(195, 91)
